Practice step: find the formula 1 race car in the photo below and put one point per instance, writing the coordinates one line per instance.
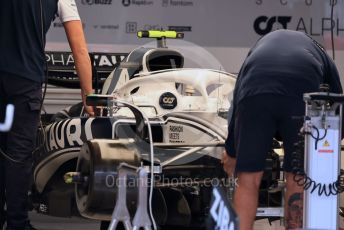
(154, 117)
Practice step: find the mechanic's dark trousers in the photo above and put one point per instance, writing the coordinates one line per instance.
(18, 144)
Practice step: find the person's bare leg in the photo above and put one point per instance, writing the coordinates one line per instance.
(246, 198)
(293, 208)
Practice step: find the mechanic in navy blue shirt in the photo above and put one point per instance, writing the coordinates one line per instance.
(23, 26)
(279, 69)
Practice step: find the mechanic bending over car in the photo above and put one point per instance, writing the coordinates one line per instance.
(268, 95)
(23, 27)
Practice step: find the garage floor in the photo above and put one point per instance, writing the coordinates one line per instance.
(42, 222)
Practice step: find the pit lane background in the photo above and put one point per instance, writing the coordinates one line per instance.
(225, 28)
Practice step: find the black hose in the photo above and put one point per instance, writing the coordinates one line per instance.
(332, 40)
(302, 179)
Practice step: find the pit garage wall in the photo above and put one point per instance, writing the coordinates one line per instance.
(226, 28)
